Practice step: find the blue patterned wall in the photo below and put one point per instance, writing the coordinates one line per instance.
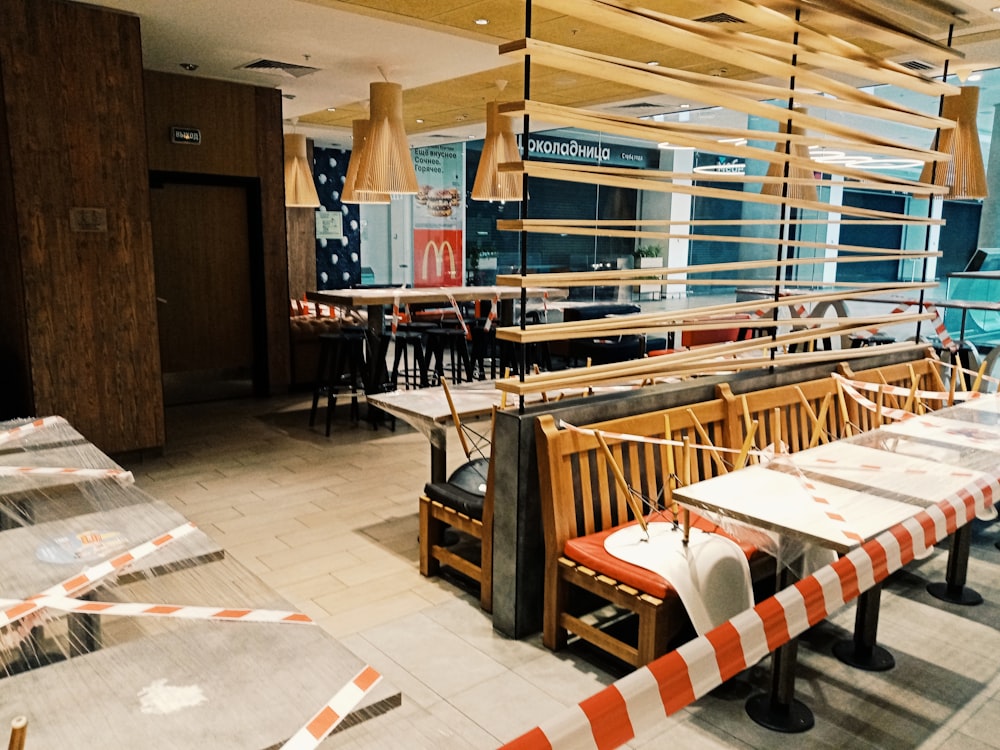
(338, 262)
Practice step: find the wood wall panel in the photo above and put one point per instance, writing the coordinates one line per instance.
(15, 376)
(270, 168)
(73, 103)
(225, 113)
(301, 251)
(241, 137)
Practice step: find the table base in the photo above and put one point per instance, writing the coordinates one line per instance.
(791, 719)
(952, 594)
(871, 658)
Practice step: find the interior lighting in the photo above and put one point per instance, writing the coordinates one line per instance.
(300, 190)
(350, 194)
(499, 146)
(386, 165)
(965, 174)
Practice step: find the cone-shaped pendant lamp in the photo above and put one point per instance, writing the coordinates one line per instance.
(350, 193)
(796, 191)
(499, 146)
(300, 190)
(965, 174)
(386, 165)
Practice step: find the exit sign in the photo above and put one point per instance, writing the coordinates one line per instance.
(190, 136)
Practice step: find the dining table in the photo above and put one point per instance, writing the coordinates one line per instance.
(374, 300)
(122, 624)
(832, 498)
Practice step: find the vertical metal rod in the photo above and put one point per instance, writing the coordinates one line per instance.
(525, 156)
(930, 201)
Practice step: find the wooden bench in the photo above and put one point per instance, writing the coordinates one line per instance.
(581, 503)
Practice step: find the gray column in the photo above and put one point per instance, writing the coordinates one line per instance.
(989, 225)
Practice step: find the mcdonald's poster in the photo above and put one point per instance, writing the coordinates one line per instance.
(439, 216)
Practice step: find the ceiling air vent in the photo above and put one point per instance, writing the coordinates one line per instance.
(641, 105)
(291, 70)
(918, 65)
(720, 18)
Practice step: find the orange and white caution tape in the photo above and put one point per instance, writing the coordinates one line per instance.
(461, 318)
(492, 316)
(20, 431)
(395, 315)
(885, 411)
(122, 476)
(328, 717)
(137, 609)
(902, 390)
(88, 577)
(638, 702)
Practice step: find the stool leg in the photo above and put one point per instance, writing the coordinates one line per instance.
(337, 375)
(321, 378)
(420, 358)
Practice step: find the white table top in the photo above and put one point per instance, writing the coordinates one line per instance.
(155, 680)
(871, 482)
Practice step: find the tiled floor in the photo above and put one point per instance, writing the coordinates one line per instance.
(331, 524)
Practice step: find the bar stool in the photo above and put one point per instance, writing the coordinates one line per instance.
(415, 376)
(453, 341)
(340, 354)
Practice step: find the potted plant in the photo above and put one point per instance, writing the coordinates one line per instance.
(648, 256)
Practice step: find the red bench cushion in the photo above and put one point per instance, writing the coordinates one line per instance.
(589, 551)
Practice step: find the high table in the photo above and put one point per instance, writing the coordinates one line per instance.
(83, 679)
(428, 410)
(839, 495)
(375, 300)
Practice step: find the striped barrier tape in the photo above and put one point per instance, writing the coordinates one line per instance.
(638, 702)
(492, 316)
(21, 430)
(88, 577)
(136, 609)
(902, 390)
(327, 718)
(122, 476)
(939, 328)
(885, 411)
(461, 318)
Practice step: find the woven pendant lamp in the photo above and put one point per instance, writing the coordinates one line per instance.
(796, 191)
(300, 190)
(350, 194)
(386, 165)
(499, 146)
(965, 174)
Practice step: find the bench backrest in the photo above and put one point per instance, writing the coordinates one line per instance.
(579, 491)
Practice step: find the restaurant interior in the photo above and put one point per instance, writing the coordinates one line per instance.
(526, 373)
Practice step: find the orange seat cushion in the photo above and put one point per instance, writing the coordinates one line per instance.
(589, 551)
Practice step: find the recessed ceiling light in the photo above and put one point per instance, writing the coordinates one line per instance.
(996, 9)
(190, 67)
(420, 120)
(685, 106)
(482, 21)
(331, 109)
(653, 63)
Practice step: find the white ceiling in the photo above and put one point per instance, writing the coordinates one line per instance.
(350, 50)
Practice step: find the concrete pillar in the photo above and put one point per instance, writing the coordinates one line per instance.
(989, 224)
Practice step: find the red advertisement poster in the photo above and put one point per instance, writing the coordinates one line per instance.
(439, 216)
(438, 256)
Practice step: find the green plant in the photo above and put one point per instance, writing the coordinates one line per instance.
(647, 251)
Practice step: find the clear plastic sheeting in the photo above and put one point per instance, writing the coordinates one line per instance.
(122, 625)
(836, 496)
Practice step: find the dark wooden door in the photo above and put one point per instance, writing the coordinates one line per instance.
(203, 278)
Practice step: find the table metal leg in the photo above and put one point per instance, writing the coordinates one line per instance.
(439, 464)
(953, 588)
(778, 709)
(861, 651)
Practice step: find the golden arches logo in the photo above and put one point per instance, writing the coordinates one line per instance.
(439, 252)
